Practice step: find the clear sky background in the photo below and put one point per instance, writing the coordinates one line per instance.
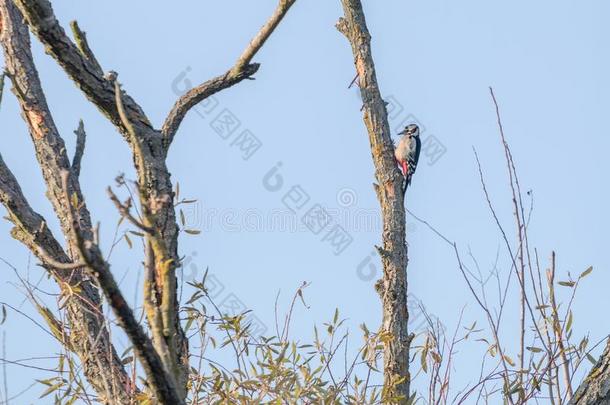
(547, 61)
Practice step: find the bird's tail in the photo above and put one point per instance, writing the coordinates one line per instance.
(406, 184)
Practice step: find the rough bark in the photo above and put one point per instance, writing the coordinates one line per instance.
(161, 379)
(393, 252)
(595, 389)
(88, 336)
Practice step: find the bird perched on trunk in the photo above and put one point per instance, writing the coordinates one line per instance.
(407, 152)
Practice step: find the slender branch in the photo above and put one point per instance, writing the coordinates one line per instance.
(520, 270)
(389, 190)
(557, 328)
(81, 136)
(118, 99)
(49, 261)
(196, 95)
(259, 40)
(242, 69)
(508, 247)
(83, 46)
(125, 210)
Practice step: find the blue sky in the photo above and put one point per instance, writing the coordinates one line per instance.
(547, 62)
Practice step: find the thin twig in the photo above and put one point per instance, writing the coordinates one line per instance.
(83, 46)
(124, 209)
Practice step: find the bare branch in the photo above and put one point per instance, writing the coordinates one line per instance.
(81, 136)
(242, 69)
(30, 227)
(557, 328)
(259, 40)
(118, 99)
(50, 262)
(391, 198)
(196, 95)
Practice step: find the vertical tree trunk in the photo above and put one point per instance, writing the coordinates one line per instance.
(393, 252)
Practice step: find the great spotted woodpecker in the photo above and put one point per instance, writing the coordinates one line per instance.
(407, 152)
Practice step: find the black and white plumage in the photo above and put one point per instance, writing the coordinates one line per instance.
(407, 152)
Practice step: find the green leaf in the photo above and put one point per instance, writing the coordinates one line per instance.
(591, 359)
(3, 316)
(586, 272)
(48, 382)
(567, 283)
(569, 322)
(424, 365)
(192, 231)
(51, 389)
(188, 324)
(534, 349)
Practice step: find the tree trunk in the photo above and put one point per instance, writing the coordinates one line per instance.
(393, 252)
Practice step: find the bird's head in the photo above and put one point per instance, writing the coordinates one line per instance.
(410, 130)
